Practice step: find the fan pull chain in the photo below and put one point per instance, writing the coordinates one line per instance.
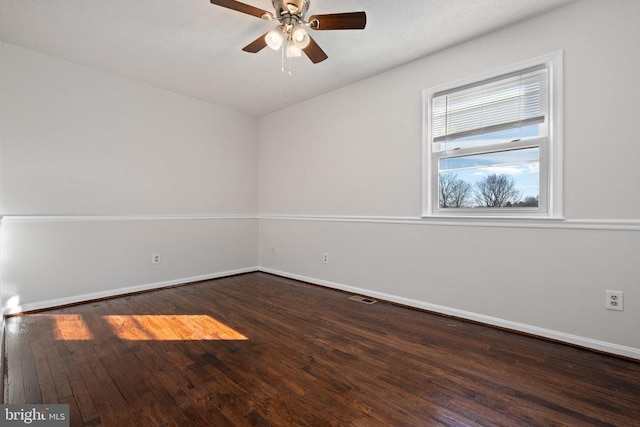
(288, 70)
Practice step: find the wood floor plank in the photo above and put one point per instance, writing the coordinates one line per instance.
(257, 349)
(14, 385)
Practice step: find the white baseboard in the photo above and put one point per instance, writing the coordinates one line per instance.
(76, 299)
(603, 346)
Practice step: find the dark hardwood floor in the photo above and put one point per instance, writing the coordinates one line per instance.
(257, 349)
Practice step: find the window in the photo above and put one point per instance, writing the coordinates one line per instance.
(492, 143)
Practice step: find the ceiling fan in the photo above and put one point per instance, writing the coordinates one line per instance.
(290, 34)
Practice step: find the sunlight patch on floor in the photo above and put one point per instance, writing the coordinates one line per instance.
(152, 327)
(70, 327)
(157, 327)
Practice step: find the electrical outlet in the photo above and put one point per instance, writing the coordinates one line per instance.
(325, 258)
(155, 258)
(273, 250)
(614, 300)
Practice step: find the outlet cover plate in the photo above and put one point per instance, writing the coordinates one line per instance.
(614, 300)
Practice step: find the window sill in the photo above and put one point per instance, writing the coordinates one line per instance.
(493, 218)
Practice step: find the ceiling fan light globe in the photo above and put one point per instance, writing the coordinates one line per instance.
(274, 39)
(293, 51)
(300, 38)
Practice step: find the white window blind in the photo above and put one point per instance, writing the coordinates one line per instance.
(498, 104)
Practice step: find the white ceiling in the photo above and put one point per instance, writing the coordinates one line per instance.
(194, 48)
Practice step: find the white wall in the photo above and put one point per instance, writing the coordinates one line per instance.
(1, 317)
(98, 172)
(360, 157)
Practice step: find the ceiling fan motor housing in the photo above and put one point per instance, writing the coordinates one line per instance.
(290, 8)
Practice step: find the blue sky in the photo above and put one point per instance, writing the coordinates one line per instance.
(522, 164)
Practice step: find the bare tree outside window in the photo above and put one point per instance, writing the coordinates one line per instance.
(528, 202)
(496, 191)
(454, 191)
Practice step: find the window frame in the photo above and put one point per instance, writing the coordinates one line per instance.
(550, 146)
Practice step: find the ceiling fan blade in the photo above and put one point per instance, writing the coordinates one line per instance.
(314, 52)
(244, 8)
(257, 45)
(339, 21)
